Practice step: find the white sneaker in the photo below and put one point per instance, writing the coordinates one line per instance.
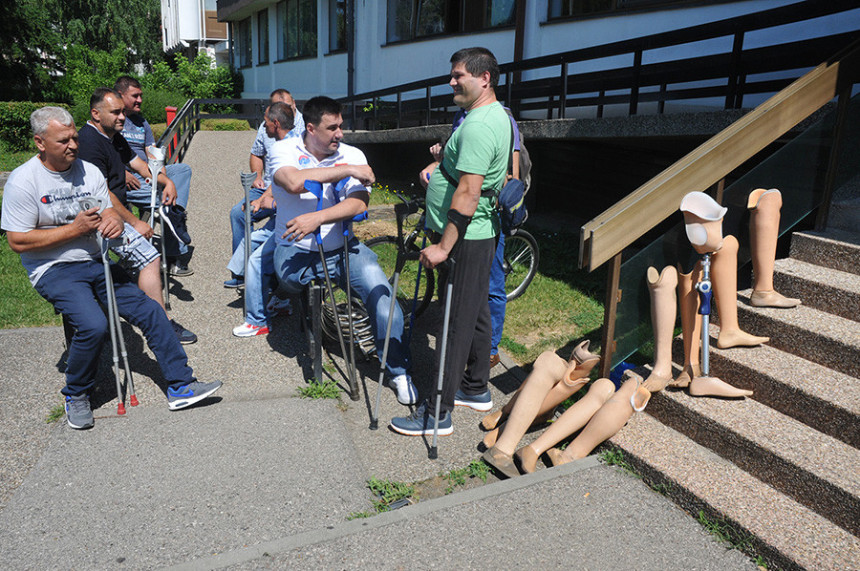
(248, 330)
(278, 305)
(406, 392)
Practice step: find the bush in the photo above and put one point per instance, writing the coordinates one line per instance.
(15, 123)
(154, 102)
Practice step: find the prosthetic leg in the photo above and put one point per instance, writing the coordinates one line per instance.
(703, 218)
(764, 206)
(247, 180)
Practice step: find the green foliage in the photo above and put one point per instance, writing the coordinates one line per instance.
(388, 492)
(359, 515)
(324, 390)
(28, 41)
(156, 100)
(458, 476)
(15, 124)
(615, 457)
(88, 69)
(225, 125)
(55, 414)
(21, 305)
(198, 78)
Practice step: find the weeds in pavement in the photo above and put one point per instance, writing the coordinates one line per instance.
(55, 414)
(612, 456)
(323, 390)
(388, 493)
(458, 476)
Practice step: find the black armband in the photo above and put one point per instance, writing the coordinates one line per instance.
(459, 221)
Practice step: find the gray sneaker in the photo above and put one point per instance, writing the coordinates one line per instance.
(78, 412)
(193, 392)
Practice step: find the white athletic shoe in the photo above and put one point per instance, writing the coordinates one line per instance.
(248, 330)
(406, 392)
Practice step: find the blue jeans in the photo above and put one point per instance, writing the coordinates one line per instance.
(237, 216)
(180, 174)
(72, 288)
(498, 299)
(296, 268)
(260, 279)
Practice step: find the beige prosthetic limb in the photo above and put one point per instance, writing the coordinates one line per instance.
(568, 423)
(764, 206)
(724, 277)
(578, 358)
(603, 425)
(691, 376)
(539, 392)
(662, 287)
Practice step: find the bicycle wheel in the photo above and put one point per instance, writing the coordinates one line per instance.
(385, 248)
(521, 263)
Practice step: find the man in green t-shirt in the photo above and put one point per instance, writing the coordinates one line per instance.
(460, 211)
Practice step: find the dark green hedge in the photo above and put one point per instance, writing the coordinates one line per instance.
(15, 123)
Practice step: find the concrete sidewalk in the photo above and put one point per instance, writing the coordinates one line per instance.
(257, 477)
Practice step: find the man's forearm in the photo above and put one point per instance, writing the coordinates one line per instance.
(293, 179)
(256, 164)
(41, 238)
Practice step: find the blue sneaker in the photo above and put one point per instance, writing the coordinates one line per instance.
(186, 395)
(234, 283)
(79, 415)
(481, 402)
(422, 422)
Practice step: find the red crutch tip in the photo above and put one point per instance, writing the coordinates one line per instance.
(132, 400)
(120, 408)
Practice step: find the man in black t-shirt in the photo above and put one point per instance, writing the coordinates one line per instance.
(101, 143)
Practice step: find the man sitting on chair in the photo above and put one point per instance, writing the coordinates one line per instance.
(45, 224)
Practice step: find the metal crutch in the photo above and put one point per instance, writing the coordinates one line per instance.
(434, 449)
(247, 179)
(400, 211)
(115, 328)
(155, 162)
(346, 225)
(705, 294)
(316, 188)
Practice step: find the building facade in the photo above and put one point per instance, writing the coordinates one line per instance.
(192, 26)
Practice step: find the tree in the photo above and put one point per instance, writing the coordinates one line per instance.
(27, 51)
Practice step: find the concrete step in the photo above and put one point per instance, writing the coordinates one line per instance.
(787, 534)
(834, 249)
(807, 332)
(812, 468)
(822, 398)
(822, 288)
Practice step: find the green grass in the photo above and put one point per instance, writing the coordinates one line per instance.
(458, 476)
(55, 414)
(10, 160)
(388, 492)
(324, 390)
(21, 306)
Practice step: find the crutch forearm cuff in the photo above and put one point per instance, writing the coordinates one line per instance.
(460, 222)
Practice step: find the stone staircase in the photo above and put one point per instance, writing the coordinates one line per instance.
(783, 467)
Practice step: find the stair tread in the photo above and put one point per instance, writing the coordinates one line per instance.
(819, 274)
(807, 318)
(803, 375)
(784, 437)
(798, 533)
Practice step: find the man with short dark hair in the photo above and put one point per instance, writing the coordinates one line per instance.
(47, 225)
(101, 144)
(464, 225)
(320, 156)
(138, 133)
(259, 164)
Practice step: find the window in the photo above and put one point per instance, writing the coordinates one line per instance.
(411, 19)
(263, 36)
(336, 25)
(568, 8)
(242, 54)
(297, 28)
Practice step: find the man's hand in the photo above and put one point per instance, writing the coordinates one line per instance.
(432, 256)
(364, 174)
(111, 225)
(438, 152)
(258, 182)
(87, 221)
(424, 176)
(168, 195)
(302, 225)
(131, 181)
(143, 228)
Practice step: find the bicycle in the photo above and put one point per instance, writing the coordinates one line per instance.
(521, 262)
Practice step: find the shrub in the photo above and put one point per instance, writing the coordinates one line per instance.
(154, 102)
(15, 123)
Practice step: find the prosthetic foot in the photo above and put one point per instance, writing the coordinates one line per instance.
(714, 387)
